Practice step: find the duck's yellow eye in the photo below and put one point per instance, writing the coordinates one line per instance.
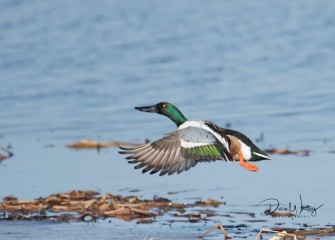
(164, 105)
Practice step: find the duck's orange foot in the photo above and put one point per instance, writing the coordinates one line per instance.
(249, 166)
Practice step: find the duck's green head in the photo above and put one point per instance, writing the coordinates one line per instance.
(166, 109)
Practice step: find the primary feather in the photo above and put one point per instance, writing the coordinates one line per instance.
(192, 142)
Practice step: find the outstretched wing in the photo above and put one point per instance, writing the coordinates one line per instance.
(178, 151)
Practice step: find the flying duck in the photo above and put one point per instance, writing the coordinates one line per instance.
(192, 142)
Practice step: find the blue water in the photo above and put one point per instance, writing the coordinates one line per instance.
(73, 70)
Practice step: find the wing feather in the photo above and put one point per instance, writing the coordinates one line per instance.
(154, 160)
(178, 151)
(164, 158)
(166, 165)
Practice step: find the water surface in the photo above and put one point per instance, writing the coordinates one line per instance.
(75, 70)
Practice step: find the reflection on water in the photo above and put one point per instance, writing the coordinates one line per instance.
(73, 71)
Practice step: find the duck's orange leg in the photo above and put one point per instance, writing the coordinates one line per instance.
(246, 165)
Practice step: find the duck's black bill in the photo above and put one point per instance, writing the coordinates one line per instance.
(147, 109)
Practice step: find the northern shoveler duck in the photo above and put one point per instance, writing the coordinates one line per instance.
(192, 142)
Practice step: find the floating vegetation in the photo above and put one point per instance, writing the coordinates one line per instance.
(279, 214)
(89, 144)
(284, 151)
(90, 205)
(281, 233)
(292, 233)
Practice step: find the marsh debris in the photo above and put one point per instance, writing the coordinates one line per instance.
(285, 151)
(182, 191)
(88, 206)
(223, 230)
(91, 205)
(250, 214)
(279, 214)
(90, 144)
(292, 233)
